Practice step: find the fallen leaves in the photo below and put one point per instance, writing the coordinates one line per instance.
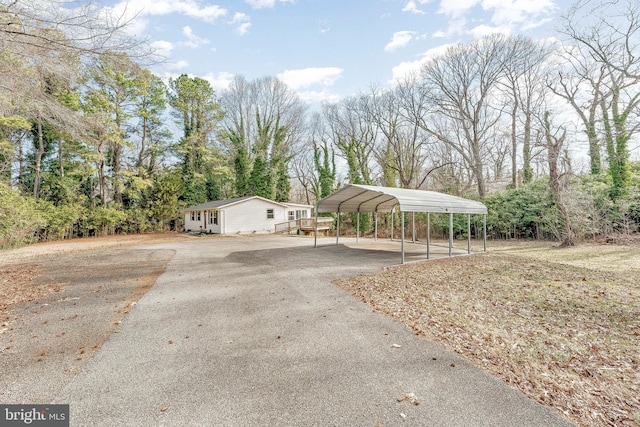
(408, 397)
(564, 335)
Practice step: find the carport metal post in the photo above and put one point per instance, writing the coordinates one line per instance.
(468, 233)
(402, 240)
(450, 232)
(358, 228)
(413, 227)
(315, 230)
(484, 231)
(338, 227)
(391, 229)
(428, 233)
(375, 225)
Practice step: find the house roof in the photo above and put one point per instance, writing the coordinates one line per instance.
(221, 204)
(367, 198)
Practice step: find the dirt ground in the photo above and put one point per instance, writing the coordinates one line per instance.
(60, 301)
(563, 325)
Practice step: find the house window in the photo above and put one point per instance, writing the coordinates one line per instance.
(213, 217)
(292, 215)
(301, 214)
(269, 213)
(193, 216)
(199, 216)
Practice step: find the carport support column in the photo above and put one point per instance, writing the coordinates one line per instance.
(468, 233)
(402, 239)
(413, 225)
(391, 229)
(484, 231)
(375, 226)
(315, 230)
(450, 233)
(337, 226)
(428, 233)
(358, 228)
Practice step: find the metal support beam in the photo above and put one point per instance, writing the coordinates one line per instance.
(428, 233)
(358, 228)
(315, 230)
(413, 227)
(402, 244)
(484, 232)
(450, 233)
(338, 227)
(392, 215)
(468, 233)
(375, 226)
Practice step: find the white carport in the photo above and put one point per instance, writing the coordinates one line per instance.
(367, 198)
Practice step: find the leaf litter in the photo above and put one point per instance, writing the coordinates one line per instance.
(567, 336)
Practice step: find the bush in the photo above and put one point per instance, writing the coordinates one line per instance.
(20, 218)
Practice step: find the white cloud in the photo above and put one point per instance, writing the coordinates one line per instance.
(243, 22)
(262, 4)
(514, 12)
(457, 8)
(306, 77)
(405, 68)
(220, 81)
(318, 97)
(506, 16)
(412, 7)
(176, 66)
(456, 26)
(243, 28)
(193, 41)
(162, 48)
(188, 8)
(485, 30)
(398, 40)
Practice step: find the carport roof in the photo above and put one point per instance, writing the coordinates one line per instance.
(367, 198)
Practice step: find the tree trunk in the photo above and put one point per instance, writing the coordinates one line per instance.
(38, 160)
(554, 147)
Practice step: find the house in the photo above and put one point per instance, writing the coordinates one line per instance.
(242, 215)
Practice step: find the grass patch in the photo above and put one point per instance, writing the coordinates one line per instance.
(562, 325)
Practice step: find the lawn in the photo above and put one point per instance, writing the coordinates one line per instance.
(561, 325)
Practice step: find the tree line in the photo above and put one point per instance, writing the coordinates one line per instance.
(540, 131)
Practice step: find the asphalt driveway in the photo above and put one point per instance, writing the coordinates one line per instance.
(250, 331)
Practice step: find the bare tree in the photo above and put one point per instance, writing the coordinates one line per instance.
(354, 135)
(607, 33)
(524, 67)
(554, 143)
(397, 114)
(58, 25)
(262, 128)
(462, 82)
(576, 71)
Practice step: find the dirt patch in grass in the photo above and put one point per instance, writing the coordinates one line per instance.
(60, 301)
(562, 325)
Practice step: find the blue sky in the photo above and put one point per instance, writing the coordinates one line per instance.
(323, 49)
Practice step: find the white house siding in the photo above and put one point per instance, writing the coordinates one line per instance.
(243, 216)
(195, 224)
(251, 216)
